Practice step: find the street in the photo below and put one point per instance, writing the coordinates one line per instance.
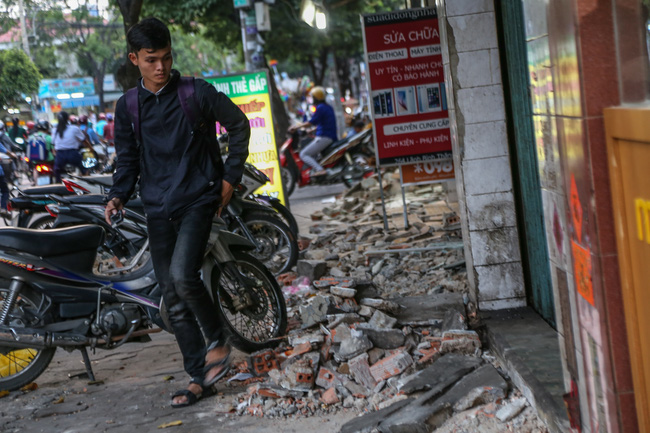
(137, 380)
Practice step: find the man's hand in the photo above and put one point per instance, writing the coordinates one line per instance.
(113, 206)
(226, 194)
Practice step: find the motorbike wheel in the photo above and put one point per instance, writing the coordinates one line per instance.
(264, 323)
(277, 246)
(286, 215)
(20, 366)
(288, 180)
(42, 223)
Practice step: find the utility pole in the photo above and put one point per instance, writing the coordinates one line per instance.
(23, 29)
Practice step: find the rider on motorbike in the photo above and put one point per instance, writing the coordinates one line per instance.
(325, 122)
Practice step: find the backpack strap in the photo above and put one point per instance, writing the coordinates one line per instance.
(189, 104)
(133, 108)
(186, 97)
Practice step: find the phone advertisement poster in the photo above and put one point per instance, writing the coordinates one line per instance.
(406, 80)
(250, 92)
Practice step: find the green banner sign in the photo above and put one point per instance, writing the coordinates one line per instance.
(241, 85)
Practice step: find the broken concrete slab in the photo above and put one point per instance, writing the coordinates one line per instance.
(439, 375)
(486, 384)
(431, 409)
(368, 423)
(383, 338)
(427, 310)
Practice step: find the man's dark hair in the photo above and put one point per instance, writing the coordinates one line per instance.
(150, 33)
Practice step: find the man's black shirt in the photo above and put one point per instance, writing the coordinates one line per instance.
(178, 169)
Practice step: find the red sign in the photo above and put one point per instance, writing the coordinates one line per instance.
(582, 271)
(576, 208)
(407, 89)
(427, 172)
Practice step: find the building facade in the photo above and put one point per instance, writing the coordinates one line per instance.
(529, 83)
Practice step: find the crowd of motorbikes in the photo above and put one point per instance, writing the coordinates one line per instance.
(69, 279)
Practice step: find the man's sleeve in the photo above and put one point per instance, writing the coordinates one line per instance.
(316, 119)
(225, 112)
(127, 169)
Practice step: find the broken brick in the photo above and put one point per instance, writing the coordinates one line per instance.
(326, 378)
(260, 363)
(360, 371)
(391, 366)
(330, 396)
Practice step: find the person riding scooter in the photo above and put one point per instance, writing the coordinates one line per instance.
(325, 123)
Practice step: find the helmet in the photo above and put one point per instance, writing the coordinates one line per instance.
(83, 119)
(43, 125)
(318, 93)
(102, 116)
(74, 119)
(30, 125)
(2, 125)
(109, 116)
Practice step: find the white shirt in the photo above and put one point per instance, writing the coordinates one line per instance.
(72, 138)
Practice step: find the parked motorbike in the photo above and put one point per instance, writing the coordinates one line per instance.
(257, 219)
(345, 161)
(49, 298)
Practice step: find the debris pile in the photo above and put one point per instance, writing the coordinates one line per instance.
(378, 323)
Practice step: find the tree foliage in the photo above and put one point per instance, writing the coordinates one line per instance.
(18, 76)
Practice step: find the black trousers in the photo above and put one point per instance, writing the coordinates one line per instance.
(177, 250)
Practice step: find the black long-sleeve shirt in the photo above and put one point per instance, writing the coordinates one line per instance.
(178, 169)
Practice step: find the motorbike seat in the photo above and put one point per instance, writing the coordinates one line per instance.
(56, 189)
(333, 145)
(105, 180)
(53, 242)
(134, 204)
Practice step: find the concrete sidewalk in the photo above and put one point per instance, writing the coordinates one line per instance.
(138, 380)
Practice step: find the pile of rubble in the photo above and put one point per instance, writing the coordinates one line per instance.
(378, 324)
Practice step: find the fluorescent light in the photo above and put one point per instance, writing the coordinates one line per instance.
(321, 20)
(63, 96)
(77, 95)
(308, 13)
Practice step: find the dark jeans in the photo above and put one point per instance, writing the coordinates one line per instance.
(177, 250)
(4, 193)
(63, 157)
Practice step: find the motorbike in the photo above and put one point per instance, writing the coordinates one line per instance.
(43, 173)
(50, 298)
(345, 160)
(257, 218)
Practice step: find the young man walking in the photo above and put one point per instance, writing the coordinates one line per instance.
(182, 184)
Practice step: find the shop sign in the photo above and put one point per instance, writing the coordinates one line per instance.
(406, 85)
(427, 172)
(250, 92)
(50, 88)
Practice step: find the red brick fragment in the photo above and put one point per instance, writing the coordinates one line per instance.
(391, 366)
(330, 397)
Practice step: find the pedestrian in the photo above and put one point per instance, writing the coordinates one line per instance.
(5, 147)
(67, 140)
(109, 130)
(325, 123)
(183, 182)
